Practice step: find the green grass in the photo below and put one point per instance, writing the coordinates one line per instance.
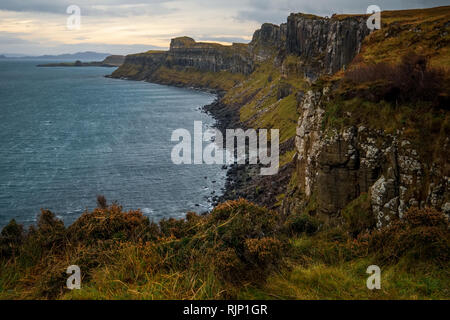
(419, 123)
(347, 281)
(258, 97)
(190, 77)
(124, 256)
(400, 34)
(240, 250)
(286, 157)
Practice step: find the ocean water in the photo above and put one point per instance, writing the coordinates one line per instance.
(70, 134)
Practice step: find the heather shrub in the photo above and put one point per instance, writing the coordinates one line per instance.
(112, 223)
(11, 238)
(239, 241)
(178, 228)
(227, 265)
(50, 233)
(236, 221)
(297, 224)
(52, 281)
(264, 252)
(370, 73)
(49, 236)
(254, 263)
(422, 234)
(101, 202)
(416, 80)
(244, 238)
(202, 256)
(48, 223)
(409, 81)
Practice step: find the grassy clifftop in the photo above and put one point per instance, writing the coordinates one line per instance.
(424, 31)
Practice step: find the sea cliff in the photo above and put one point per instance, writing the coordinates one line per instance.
(364, 175)
(293, 77)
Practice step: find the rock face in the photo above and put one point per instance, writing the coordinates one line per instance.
(185, 53)
(333, 167)
(141, 66)
(270, 35)
(267, 41)
(337, 167)
(209, 57)
(326, 44)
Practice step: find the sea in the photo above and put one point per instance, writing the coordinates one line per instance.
(68, 134)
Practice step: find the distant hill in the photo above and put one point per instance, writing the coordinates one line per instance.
(83, 56)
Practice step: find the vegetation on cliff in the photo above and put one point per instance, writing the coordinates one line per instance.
(396, 89)
(393, 86)
(239, 250)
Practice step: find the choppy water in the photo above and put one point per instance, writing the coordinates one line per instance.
(69, 134)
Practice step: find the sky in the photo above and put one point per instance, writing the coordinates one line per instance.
(36, 27)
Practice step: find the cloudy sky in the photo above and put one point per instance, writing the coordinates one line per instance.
(35, 27)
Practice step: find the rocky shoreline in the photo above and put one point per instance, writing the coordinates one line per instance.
(244, 181)
(238, 176)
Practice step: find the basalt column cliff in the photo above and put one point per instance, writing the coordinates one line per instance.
(342, 145)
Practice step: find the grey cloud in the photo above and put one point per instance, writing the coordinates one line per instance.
(89, 8)
(276, 11)
(12, 43)
(8, 38)
(253, 10)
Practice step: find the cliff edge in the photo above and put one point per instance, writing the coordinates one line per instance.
(347, 138)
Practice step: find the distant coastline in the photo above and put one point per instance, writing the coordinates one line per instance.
(77, 64)
(84, 56)
(110, 61)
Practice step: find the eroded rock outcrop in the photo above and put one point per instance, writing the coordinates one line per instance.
(187, 54)
(209, 57)
(336, 167)
(325, 44)
(333, 166)
(267, 41)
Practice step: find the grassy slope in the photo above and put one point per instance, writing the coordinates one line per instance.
(189, 77)
(424, 32)
(262, 106)
(238, 251)
(347, 281)
(318, 279)
(186, 77)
